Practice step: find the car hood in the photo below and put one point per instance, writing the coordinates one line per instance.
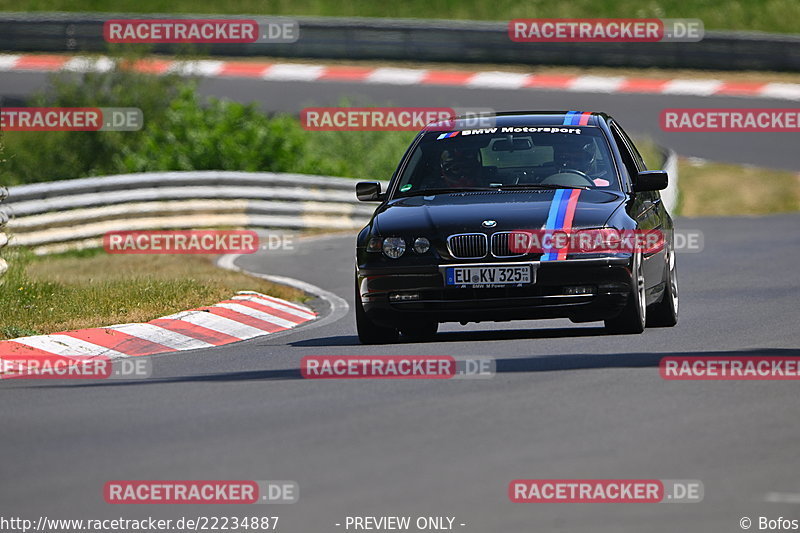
(445, 214)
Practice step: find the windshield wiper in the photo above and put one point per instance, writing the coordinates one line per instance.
(443, 190)
(541, 186)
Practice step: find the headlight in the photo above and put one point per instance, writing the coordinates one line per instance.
(394, 247)
(422, 245)
(592, 239)
(374, 244)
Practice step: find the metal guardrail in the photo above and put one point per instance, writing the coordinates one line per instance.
(422, 40)
(3, 237)
(73, 214)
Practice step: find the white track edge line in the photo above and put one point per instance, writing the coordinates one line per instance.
(338, 306)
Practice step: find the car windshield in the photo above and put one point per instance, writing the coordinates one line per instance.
(510, 157)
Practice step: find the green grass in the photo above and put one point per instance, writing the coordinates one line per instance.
(720, 189)
(41, 295)
(779, 16)
(708, 188)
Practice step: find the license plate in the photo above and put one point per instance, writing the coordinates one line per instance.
(489, 276)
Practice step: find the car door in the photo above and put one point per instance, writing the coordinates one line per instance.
(647, 208)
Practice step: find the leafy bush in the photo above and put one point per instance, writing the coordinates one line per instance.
(221, 135)
(371, 155)
(48, 156)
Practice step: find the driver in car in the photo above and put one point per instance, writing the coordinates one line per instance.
(578, 154)
(461, 168)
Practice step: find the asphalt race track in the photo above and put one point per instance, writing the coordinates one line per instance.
(568, 401)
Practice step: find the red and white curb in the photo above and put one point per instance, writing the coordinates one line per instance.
(244, 316)
(406, 76)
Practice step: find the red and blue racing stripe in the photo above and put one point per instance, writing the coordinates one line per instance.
(576, 118)
(562, 211)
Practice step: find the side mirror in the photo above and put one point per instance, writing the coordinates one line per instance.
(368, 191)
(651, 180)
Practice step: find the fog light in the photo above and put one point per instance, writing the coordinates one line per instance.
(422, 245)
(579, 290)
(403, 296)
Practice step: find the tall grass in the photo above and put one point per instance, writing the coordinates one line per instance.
(92, 289)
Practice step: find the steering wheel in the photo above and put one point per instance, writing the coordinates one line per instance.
(568, 171)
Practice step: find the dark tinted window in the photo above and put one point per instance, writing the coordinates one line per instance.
(494, 157)
(628, 157)
(637, 157)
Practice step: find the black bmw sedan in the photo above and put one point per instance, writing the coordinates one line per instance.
(481, 224)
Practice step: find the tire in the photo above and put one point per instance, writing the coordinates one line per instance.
(633, 317)
(368, 331)
(420, 331)
(664, 314)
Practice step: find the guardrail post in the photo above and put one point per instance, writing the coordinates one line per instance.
(3, 236)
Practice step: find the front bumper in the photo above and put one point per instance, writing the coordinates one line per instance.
(609, 277)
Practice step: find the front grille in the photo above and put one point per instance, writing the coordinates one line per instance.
(500, 245)
(467, 245)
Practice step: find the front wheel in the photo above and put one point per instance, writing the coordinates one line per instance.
(368, 331)
(633, 317)
(664, 314)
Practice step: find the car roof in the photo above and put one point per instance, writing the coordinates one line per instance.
(527, 118)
